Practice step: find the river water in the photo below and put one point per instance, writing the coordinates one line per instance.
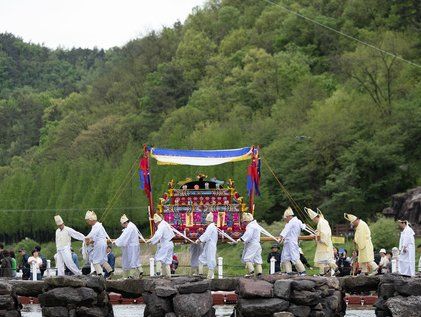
(137, 310)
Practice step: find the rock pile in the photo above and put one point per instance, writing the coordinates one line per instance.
(80, 296)
(9, 304)
(280, 295)
(180, 296)
(398, 296)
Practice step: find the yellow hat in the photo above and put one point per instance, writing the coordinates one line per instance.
(312, 214)
(247, 217)
(157, 218)
(124, 219)
(288, 212)
(350, 218)
(91, 215)
(58, 220)
(209, 217)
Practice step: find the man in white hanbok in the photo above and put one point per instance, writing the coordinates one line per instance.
(130, 249)
(289, 236)
(252, 253)
(209, 238)
(165, 249)
(64, 237)
(406, 264)
(98, 237)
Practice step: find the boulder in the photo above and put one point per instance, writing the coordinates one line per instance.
(317, 307)
(185, 279)
(272, 278)
(252, 288)
(12, 313)
(128, 288)
(56, 311)
(404, 306)
(386, 290)
(27, 288)
(97, 283)
(306, 298)
(92, 312)
(192, 305)
(7, 302)
(170, 315)
(5, 288)
(194, 287)
(224, 284)
(282, 289)
(64, 281)
(261, 307)
(165, 291)
(299, 311)
(317, 313)
(408, 287)
(303, 285)
(359, 283)
(68, 295)
(156, 306)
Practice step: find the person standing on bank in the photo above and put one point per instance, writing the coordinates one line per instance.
(98, 237)
(323, 258)
(362, 239)
(252, 253)
(289, 236)
(165, 250)
(276, 255)
(130, 247)
(210, 239)
(64, 237)
(406, 264)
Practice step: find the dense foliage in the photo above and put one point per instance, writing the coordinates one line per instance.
(339, 122)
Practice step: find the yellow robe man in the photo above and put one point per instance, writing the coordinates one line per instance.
(323, 258)
(362, 239)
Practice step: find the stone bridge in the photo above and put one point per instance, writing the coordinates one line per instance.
(271, 296)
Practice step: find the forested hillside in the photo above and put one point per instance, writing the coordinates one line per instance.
(338, 121)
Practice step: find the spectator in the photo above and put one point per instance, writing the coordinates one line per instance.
(24, 266)
(35, 258)
(384, 262)
(335, 254)
(6, 264)
(13, 262)
(174, 264)
(389, 263)
(276, 255)
(344, 263)
(111, 260)
(43, 267)
(355, 266)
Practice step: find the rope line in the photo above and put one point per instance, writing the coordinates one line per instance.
(344, 34)
(286, 192)
(70, 209)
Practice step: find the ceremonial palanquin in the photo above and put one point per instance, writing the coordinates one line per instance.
(186, 203)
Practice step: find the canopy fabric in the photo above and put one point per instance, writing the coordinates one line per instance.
(200, 157)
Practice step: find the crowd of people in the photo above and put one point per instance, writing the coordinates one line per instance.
(97, 250)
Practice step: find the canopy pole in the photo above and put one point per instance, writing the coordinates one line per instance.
(151, 208)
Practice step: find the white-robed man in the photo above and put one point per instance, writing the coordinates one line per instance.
(252, 253)
(98, 237)
(64, 237)
(323, 258)
(195, 252)
(164, 253)
(130, 249)
(362, 239)
(406, 264)
(209, 238)
(289, 236)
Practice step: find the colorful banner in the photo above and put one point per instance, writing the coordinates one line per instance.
(200, 157)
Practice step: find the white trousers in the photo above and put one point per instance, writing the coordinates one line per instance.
(64, 257)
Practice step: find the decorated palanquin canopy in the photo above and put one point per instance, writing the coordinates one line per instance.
(186, 204)
(200, 157)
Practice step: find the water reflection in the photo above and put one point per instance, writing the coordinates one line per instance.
(137, 310)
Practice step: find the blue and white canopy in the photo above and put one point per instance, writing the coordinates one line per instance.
(200, 157)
